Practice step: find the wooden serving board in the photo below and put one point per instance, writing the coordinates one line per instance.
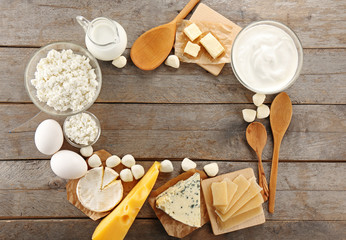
(72, 185)
(173, 227)
(205, 13)
(247, 173)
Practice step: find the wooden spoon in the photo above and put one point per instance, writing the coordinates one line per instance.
(153, 46)
(280, 118)
(256, 136)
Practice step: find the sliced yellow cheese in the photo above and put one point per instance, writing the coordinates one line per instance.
(219, 192)
(253, 203)
(231, 190)
(118, 222)
(250, 193)
(243, 185)
(233, 221)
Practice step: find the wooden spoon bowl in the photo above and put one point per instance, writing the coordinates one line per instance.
(153, 46)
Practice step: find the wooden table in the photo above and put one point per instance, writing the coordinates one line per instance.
(172, 114)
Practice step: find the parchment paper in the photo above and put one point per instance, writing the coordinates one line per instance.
(224, 33)
(173, 227)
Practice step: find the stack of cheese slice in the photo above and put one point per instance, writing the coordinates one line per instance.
(98, 190)
(236, 202)
(182, 201)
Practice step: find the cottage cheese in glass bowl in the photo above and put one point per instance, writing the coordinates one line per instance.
(267, 57)
(63, 79)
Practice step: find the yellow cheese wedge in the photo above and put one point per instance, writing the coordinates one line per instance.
(253, 203)
(250, 193)
(243, 185)
(219, 192)
(233, 221)
(116, 225)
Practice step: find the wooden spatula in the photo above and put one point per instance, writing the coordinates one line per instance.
(153, 46)
(280, 118)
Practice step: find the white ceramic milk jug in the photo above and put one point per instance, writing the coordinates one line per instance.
(105, 38)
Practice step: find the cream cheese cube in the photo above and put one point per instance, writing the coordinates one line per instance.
(192, 49)
(192, 31)
(212, 45)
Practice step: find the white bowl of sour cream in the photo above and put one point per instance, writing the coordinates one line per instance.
(267, 57)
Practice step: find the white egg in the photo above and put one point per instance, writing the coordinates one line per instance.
(49, 137)
(69, 165)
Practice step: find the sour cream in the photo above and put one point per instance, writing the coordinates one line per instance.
(265, 58)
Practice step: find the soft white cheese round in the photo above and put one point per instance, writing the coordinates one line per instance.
(49, 137)
(128, 160)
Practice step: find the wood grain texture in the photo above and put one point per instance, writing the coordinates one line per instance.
(41, 22)
(295, 176)
(151, 229)
(322, 81)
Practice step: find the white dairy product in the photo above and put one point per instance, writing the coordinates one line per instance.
(81, 128)
(65, 80)
(265, 58)
(106, 39)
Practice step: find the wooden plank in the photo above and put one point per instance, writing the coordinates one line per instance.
(323, 75)
(307, 176)
(151, 229)
(181, 117)
(290, 205)
(316, 26)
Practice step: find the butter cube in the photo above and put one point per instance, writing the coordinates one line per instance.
(192, 31)
(192, 49)
(212, 45)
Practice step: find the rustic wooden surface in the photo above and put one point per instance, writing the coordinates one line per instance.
(176, 113)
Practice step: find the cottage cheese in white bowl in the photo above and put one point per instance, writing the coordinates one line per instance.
(63, 79)
(267, 57)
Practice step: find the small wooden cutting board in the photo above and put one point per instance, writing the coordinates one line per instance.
(205, 13)
(206, 184)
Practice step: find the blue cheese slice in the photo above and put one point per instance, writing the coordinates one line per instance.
(182, 201)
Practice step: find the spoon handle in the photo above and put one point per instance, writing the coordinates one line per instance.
(183, 13)
(274, 172)
(262, 179)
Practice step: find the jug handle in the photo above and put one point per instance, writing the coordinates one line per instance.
(83, 22)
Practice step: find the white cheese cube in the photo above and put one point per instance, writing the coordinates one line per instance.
(94, 161)
(126, 175)
(86, 151)
(137, 171)
(262, 111)
(192, 49)
(258, 99)
(192, 31)
(113, 161)
(188, 164)
(211, 169)
(249, 115)
(166, 166)
(128, 160)
(212, 45)
(172, 61)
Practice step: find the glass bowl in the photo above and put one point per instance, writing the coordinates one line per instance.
(90, 143)
(42, 53)
(297, 44)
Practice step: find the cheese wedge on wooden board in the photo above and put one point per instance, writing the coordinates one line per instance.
(118, 222)
(248, 173)
(182, 201)
(243, 185)
(253, 203)
(205, 13)
(173, 227)
(234, 221)
(250, 193)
